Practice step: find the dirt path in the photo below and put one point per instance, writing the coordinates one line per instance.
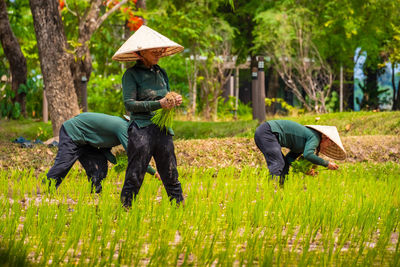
(213, 152)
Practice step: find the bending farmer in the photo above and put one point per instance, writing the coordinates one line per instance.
(144, 88)
(308, 140)
(89, 137)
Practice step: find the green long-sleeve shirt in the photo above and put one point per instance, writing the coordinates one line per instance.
(298, 139)
(100, 131)
(142, 88)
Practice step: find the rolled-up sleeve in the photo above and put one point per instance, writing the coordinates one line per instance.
(130, 94)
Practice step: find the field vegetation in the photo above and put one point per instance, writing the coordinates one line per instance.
(231, 217)
(314, 57)
(233, 214)
(348, 124)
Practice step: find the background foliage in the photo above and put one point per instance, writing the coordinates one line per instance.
(336, 28)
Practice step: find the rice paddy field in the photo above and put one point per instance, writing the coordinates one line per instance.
(231, 217)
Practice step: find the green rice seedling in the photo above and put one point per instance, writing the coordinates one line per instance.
(163, 118)
(302, 166)
(231, 217)
(12, 220)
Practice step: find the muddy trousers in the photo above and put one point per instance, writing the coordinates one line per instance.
(92, 159)
(144, 143)
(268, 143)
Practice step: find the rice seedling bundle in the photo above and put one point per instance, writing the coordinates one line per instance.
(163, 118)
(302, 166)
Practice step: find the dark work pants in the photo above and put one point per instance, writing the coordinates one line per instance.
(92, 159)
(268, 143)
(144, 143)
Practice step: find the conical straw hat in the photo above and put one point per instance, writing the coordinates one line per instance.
(336, 150)
(145, 38)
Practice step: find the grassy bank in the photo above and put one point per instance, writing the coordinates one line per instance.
(28, 128)
(348, 124)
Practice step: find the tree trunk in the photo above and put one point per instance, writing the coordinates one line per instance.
(192, 82)
(214, 108)
(348, 89)
(273, 87)
(254, 86)
(396, 98)
(81, 66)
(261, 90)
(371, 95)
(14, 56)
(55, 62)
(206, 105)
(396, 101)
(141, 4)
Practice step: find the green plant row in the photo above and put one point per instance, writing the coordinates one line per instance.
(347, 217)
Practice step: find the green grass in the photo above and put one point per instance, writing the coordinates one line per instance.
(28, 128)
(202, 130)
(231, 217)
(361, 123)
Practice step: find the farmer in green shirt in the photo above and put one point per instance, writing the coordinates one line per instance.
(144, 88)
(89, 137)
(307, 140)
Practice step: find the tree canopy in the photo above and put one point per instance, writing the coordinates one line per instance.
(333, 29)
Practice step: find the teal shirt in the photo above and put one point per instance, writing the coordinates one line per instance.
(100, 131)
(299, 139)
(142, 88)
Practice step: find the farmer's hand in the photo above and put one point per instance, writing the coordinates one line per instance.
(312, 172)
(165, 104)
(178, 100)
(157, 175)
(333, 166)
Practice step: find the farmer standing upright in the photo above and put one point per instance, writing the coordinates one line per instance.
(308, 140)
(144, 88)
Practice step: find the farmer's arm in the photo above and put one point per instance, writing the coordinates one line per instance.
(130, 93)
(309, 153)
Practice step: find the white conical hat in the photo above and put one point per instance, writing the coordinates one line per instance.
(336, 150)
(145, 38)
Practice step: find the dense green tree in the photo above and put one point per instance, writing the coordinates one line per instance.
(335, 29)
(348, 24)
(339, 27)
(15, 57)
(393, 55)
(197, 26)
(81, 19)
(241, 16)
(286, 37)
